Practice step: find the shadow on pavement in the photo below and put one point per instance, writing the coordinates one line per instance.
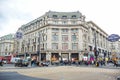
(17, 76)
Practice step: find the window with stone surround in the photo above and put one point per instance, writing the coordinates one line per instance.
(64, 46)
(55, 16)
(54, 45)
(64, 30)
(74, 37)
(74, 46)
(54, 37)
(64, 37)
(74, 30)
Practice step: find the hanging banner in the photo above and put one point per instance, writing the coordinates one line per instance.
(18, 35)
(113, 37)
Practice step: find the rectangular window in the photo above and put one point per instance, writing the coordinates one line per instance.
(55, 22)
(64, 30)
(54, 16)
(64, 46)
(73, 16)
(64, 22)
(73, 22)
(54, 37)
(54, 45)
(64, 16)
(74, 46)
(55, 30)
(46, 46)
(64, 37)
(74, 30)
(74, 37)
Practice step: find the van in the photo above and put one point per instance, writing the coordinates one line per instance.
(14, 59)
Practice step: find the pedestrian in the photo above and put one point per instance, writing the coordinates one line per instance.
(115, 63)
(97, 64)
(1, 62)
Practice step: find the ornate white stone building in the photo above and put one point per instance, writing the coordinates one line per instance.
(7, 45)
(95, 32)
(115, 46)
(61, 35)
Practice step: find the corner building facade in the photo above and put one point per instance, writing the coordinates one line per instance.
(57, 35)
(7, 45)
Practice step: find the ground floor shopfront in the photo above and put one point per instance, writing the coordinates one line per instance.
(54, 56)
(57, 56)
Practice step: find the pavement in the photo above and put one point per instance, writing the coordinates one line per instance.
(16, 76)
(107, 66)
(9, 72)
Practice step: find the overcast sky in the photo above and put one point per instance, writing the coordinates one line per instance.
(14, 13)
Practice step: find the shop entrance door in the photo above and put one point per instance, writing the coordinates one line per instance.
(65, 56)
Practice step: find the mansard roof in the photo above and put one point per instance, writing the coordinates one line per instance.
(7, 37)
(64, 15)
(54, 14)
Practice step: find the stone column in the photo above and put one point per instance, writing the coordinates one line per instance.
(59, 56)
(80, 56)
(69, 56)
(48, 56)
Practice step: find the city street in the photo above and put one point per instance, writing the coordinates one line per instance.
(9, 72)
(59, 40)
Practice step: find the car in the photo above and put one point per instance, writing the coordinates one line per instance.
(21, 63)
(118, 63)
(4, 61)
(45, 63)
(14, 59)
(25, 63)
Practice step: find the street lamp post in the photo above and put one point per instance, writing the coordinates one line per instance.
(28, 46)
(95, 49)
(38, 52)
